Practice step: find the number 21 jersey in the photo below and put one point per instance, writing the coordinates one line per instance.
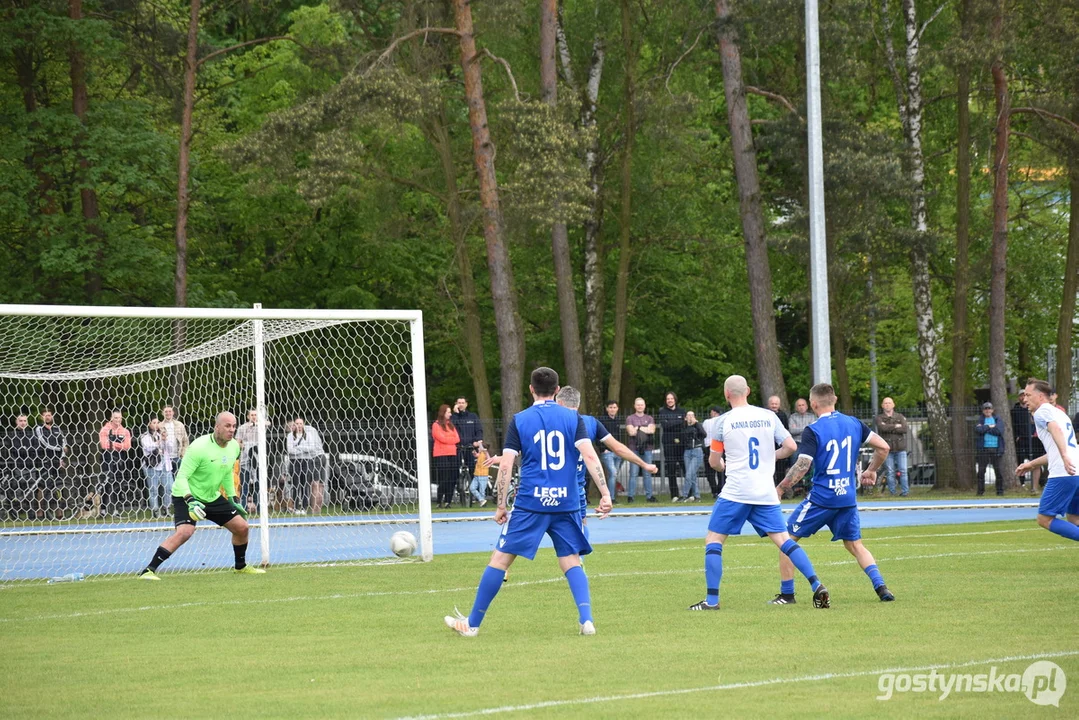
(832, 442)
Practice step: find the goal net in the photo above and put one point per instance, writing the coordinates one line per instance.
(99, 405)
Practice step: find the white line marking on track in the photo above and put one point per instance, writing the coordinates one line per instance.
(438, 591)
(738, 686)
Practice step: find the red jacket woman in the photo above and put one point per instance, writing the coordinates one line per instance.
(446, 441)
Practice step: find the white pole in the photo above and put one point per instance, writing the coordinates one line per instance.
(423, 465)
(818, 253)
(260, 430)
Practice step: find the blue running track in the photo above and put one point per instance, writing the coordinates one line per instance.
(127, 547)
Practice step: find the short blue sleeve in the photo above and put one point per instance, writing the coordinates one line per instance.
(808, 446)
(866, 432)
(513, 439)
(599, 432)
(582, 431)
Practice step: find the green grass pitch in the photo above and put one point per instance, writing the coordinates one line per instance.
(368, 641)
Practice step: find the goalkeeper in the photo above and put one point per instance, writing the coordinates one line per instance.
(204, 490)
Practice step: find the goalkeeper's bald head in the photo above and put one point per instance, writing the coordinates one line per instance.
(224, 427)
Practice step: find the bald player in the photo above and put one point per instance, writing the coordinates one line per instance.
(204, 490)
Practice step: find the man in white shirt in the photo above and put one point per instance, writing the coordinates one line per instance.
(748, 436)
(1061, 493)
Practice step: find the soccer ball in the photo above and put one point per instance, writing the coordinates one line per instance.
(403, 543)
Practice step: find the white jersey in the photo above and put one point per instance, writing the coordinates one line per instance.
(1044, 415)
(749, 435)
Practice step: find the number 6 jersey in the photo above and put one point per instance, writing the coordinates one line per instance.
(832, 443)
(748, 435)
(546, 436)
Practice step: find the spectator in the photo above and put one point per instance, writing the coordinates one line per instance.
(799, 419)
(641, 429)
(51, 449)
(248, 437)
(611, 462)
(990, 431)
(480, 472)
(892, 426)
(693, 440)
(1058, 406)
(469, 429)
(776, 406)
(446, 441)
(672, 420)
(715, 478)
(175, 436)
(305, 458)
(20, 451)
(1022, 433)
(157, 466)
(115, 441)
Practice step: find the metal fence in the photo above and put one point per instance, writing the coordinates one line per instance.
(921, 455)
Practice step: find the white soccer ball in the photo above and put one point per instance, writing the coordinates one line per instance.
(403, 543)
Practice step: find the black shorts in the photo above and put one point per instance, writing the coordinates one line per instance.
(1037, 450)
(219, 511)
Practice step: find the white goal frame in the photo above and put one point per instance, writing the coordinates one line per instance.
(257, 314)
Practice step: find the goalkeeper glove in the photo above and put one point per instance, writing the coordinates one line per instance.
(235, 502)
(196, 509)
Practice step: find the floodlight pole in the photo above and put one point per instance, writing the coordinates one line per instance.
(818, 253)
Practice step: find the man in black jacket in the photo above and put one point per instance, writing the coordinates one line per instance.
(469, 429)
(613, 424)
(51, 447)
(19, 467)
(776, 406)
(1022, 431)
(672, 419)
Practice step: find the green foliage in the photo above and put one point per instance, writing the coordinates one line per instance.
(317, 182)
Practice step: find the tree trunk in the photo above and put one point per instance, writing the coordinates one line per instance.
(595, 286)
(910, 112)
(962, 444)
(765, 345)
(563, 264)
(439, 137)
(504, 297)
(183, 197)
(998, 389)
(87, 195)
(1066, 323)
(621, 291)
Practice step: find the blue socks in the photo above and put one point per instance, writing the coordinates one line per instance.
(801, 561)
(786, 587)
(490, 584)
(1064, 529)
(874, 576)
(713, 571)
(578, 585)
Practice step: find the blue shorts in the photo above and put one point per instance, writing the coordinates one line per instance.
(729, 516)
(1060, 496)
(808, 518)
(523, 531)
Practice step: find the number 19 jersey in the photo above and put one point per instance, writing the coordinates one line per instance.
(546, 436)
(832, 443)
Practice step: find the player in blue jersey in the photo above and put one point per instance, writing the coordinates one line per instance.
(1061, 493)
(748, 436)
(549, 439)
(570, 397)
(831, 445)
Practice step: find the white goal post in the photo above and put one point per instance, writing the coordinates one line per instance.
(98, 404)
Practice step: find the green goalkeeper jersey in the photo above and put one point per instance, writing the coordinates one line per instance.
(206, 470)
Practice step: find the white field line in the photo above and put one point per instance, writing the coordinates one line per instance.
(869, 540)
(437, 591)
(740, 685)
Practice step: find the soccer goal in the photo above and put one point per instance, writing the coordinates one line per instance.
(331, 409)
